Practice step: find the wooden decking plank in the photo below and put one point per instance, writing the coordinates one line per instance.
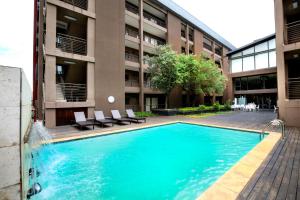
(281, 170)
(262, 188)
(292, 190)
(282, 193)
(264, 169)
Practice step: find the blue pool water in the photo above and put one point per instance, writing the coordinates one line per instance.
(177, 161)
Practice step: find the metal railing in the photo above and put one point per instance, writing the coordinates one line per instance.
(293, 32)
(153, 41)
(132, 8)
(71, 44)
(294, 88)
(148, 84)
(135, 108)
(154, 19)
(132, 83)
(78, 3)
(131, 57)
(71, 92)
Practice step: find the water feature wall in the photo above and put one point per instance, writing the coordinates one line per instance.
(15, 123)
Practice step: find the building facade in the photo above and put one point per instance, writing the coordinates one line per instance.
(253, 72)
(88, 50)
(287, 17)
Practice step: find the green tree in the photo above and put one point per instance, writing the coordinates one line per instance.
(162, 70)
(199, 75)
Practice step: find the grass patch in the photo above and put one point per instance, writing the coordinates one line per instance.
(204, 115)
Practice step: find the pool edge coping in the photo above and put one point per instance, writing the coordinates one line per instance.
(230, 184)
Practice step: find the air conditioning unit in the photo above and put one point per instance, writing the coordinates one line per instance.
(62, 25)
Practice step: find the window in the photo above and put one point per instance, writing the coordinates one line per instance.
(244, 84)
(207, 43)
(248, 63)
(248, 51)
(254, 83)
(261, 47)
(237, 83)
(236, 65)
(236, 55)
(262, 61)
(272, 44)
(272, 58)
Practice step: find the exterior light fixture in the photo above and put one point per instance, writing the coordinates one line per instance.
(70, 18)
(111, 99)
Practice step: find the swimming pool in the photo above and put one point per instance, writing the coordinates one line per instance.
(176, 161)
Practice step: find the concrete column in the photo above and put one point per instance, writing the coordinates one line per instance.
(90, 86)
(91, 28)
(51, 28)
(92, 6)
(50, 88)
(141, 54)
(281, 71)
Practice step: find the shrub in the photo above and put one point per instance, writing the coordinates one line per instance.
(202, 108)
(216, 106)
(227, 105)
(145, 114)
(188, 109)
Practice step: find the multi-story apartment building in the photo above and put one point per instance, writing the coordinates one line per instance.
(253, 72)
(87, 51)
(287, 17)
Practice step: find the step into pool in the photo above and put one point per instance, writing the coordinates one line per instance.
(175, 161)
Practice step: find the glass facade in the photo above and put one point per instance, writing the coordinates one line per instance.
(268, 81)
(260, 56)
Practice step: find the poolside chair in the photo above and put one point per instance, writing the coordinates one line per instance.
(81, 121)
(99, 118)
(132, 116)
(117, 117)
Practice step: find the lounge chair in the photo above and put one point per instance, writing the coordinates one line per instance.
(81, 121)
(116, 116)
(99, 118)
(132, 116)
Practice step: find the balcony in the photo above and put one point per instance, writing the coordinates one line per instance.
(131, 57)
(293, 32)
(78, 3)
(70, 92)
(131, 32)
(71, 44)
(135, 108)
(294, 88)
(132, 83)
(154, 19)
(207, 46)
(132, 8)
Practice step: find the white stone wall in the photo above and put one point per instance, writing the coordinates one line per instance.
(15, 118)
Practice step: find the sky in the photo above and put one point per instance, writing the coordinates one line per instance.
(238, 21)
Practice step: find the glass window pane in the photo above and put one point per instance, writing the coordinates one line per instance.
(272, 44)
(270, 81)
(248, 63)
(244, 83)
(248, 51)
(261, 61)
(261, 47)
(272, 57)
(254, 83)
(237, 83)
(236, 65)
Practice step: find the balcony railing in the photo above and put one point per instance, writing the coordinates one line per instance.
(71, 44)
(132, 83)
(153, 41)
(148, 84)
(131, 57)
(294, 88)
(71, 92)
(132, 8)
(78, 3)
(155, 20)
(293, 32)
